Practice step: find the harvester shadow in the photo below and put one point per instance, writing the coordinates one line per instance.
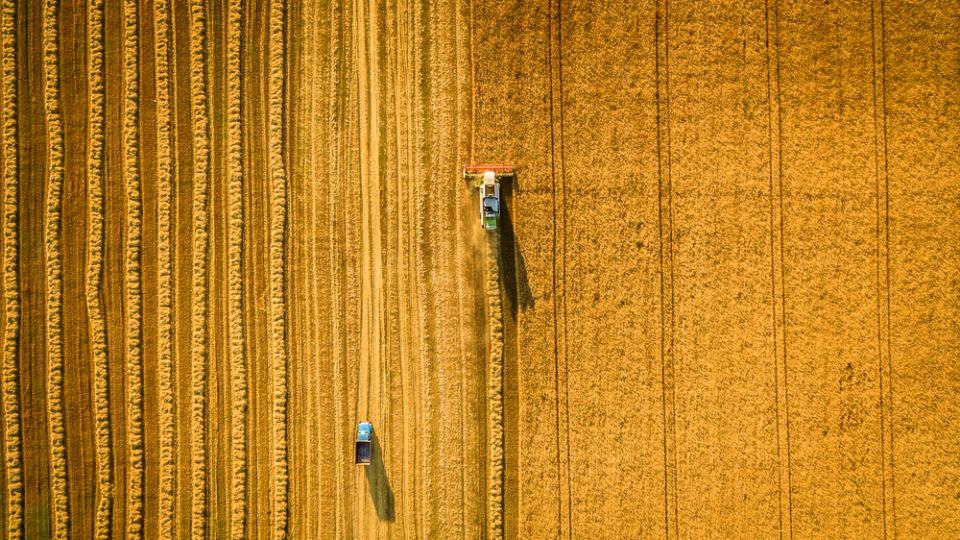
(513, 266)
(378, 483)
(517, 297)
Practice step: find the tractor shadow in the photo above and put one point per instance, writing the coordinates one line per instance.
(513, 265)
(378, 483)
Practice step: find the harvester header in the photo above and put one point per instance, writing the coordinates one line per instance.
(471, 171)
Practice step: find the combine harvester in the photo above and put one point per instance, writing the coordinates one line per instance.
(486, 178)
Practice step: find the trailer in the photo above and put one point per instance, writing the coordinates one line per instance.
(363, 453)
(486, 178)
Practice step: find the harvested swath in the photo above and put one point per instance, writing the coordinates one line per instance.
(238, 364)
(12, 444)
(165, 371)
(278, 208)
(95, 314)
(201, 225)
(54, 273)
(132, 280)
(424, 289)
(337, 269)
(495, 394)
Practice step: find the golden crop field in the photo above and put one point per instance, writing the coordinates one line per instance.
(722, 300)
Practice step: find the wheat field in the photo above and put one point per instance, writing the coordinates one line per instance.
(723, 300)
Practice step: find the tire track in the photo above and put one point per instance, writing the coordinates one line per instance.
(325, 222)
(94, 277)
(311, 358)
(149, 264)
(77, 372)
(558, 349)
(404, 274)
(362, 213)
(12, 427)
(54, 272)
(426, 395)
(563, 274)
(165, 367)
(277, 241)
(885, 368)
(460, 289)
(665, 220)
(470, 274)
(256, 242)
(218, 371)
(774, 136)
(201, 167)
(393, 443)
(237, 338)
(337, 269)
(559, 200)
(307, 140)
(133, 331)
(409, 345)
(358, 281)
(364, 277)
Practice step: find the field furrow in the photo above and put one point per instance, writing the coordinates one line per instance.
(882, 178)
(666, 272)
(774, 132)
(77, 379)
(149, 275)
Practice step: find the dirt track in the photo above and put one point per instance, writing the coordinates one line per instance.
(723, 300)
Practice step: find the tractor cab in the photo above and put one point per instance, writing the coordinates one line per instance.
(363, 453)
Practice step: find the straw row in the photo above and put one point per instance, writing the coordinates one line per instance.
(54, 273)
(201, 169)
(12, 443)
(132, 280)
(165, 368)
(238, 362)
(278, 208)
(94, 286)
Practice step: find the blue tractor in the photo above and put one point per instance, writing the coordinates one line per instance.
(364, 447)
